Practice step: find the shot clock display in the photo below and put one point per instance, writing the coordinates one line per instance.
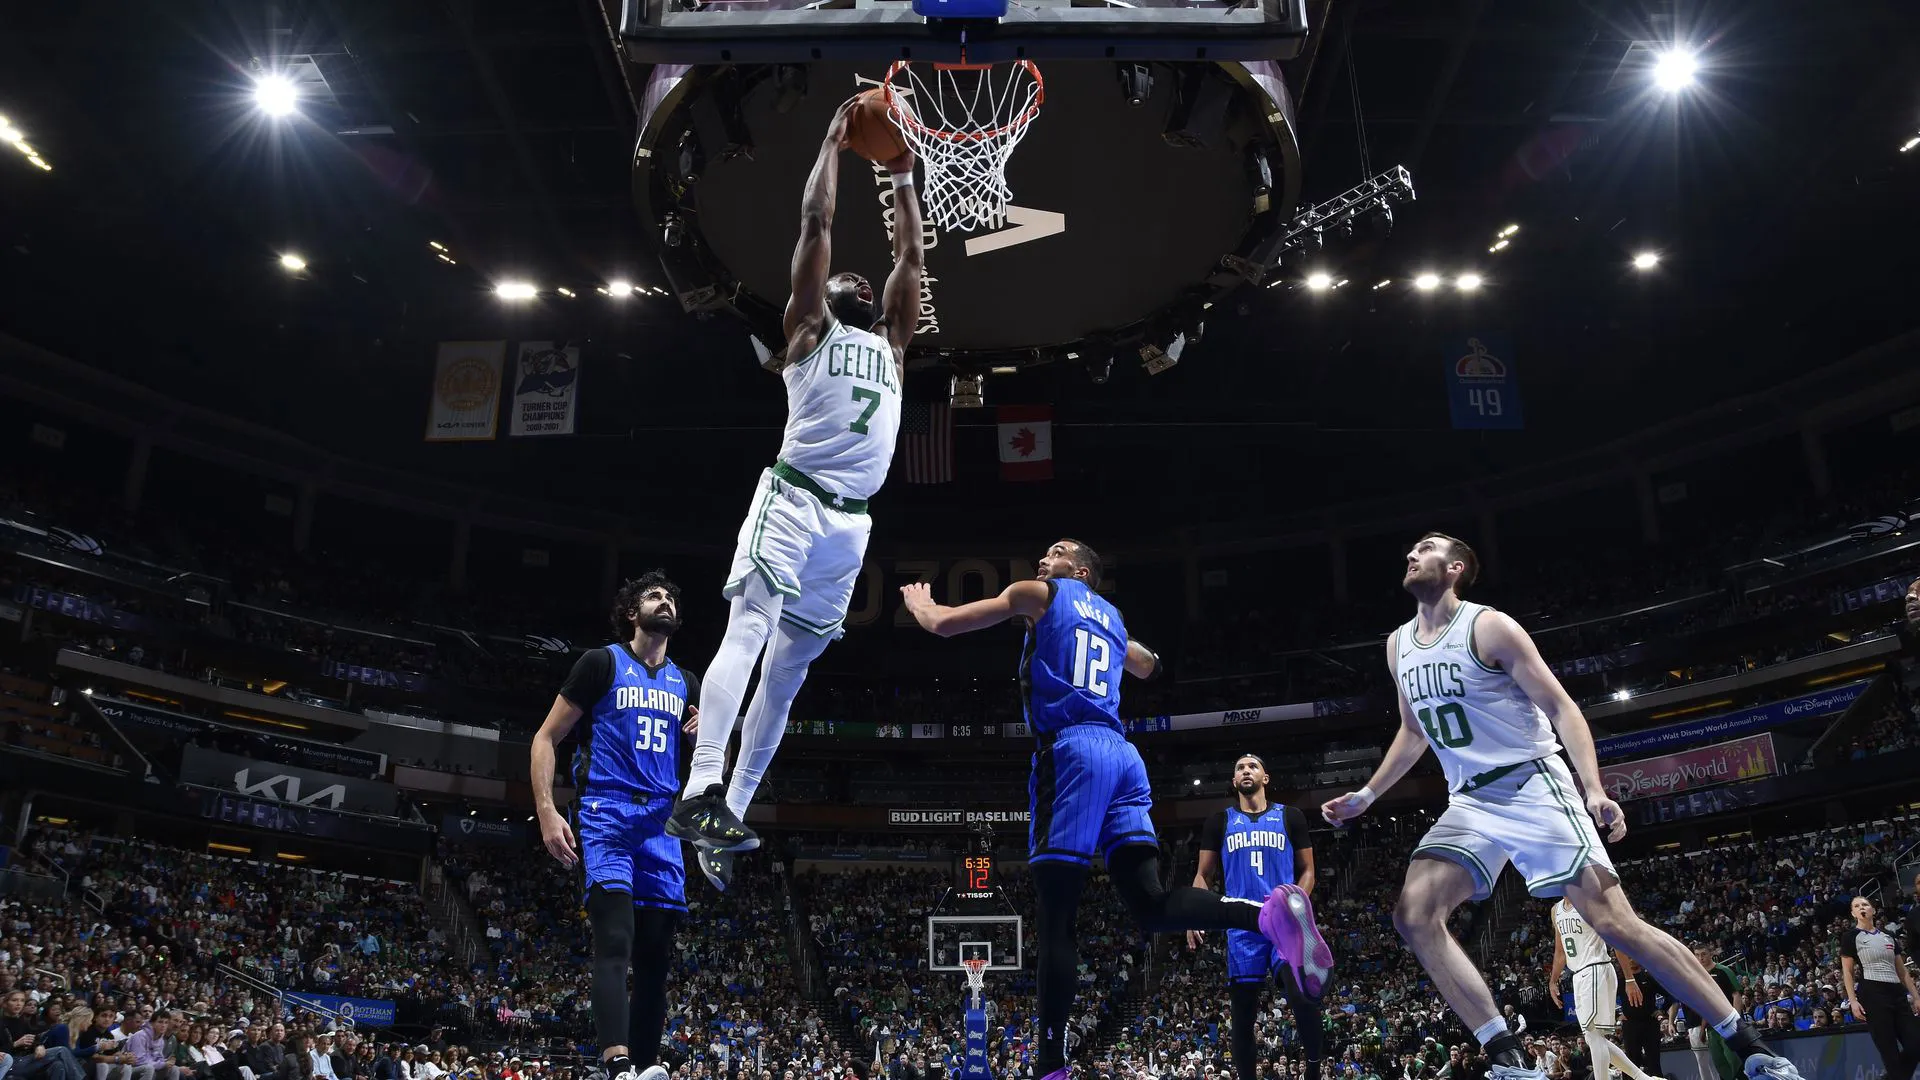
(978, 879)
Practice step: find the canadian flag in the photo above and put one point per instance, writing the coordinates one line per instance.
(1026, 442)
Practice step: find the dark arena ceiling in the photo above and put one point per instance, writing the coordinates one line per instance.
(442, 148)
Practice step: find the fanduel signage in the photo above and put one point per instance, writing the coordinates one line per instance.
(958, 817)
(474, 830)
(1759, 718)
(285, 783)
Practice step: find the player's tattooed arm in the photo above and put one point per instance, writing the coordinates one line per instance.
(1025, 599)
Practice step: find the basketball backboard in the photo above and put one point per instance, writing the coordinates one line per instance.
(995, 938)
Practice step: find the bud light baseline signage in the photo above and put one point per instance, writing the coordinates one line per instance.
(364, 1012)
(1759, 718)
(1722, 763)
(959, 817)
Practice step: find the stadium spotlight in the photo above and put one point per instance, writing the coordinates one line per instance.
(1427, 282)
(292, 263)
(275, 95)
(1910, 144)
(1196, 781)
(436, 245)
(619, 290)
(1382, 283)
(1646, 260)
(1499, 246)
(1508, 231)
(514, 290)
(564, 291)
(1467, 282)
(1320, 281)
(1674, 70)
(1623, 695)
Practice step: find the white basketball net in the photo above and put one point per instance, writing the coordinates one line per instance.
(964, 122)
(976, 978)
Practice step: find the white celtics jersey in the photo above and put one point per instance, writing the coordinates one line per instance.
(1477, 719)
(843, 411)
(1579, 942)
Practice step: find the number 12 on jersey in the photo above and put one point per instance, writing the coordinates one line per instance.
(1091, 661)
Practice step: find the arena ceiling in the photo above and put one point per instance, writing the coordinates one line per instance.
(1775, 191)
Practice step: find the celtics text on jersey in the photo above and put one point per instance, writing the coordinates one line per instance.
(843, 411)
(1580, 943)
(1475, 717)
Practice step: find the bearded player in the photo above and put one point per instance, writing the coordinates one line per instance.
(1471, 684)
(805, 535)
(1089, 794)
(1258, 847)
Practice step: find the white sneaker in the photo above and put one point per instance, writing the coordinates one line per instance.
(1772, 1068)
(1508, 1072)
(654, 1072)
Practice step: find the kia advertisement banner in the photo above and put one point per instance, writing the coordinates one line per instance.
(285, 783)
(1722, 763)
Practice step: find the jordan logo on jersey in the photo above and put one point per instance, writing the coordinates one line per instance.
(650, 698)
(1434, 679)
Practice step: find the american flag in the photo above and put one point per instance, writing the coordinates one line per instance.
(926, 443)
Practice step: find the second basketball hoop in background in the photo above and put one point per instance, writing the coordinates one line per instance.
(871, 131)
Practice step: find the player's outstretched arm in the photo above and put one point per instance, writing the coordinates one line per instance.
(900, 302)
(808, 304)
(554, 831)
(1141, 662)
(1409, 743)
(1025, 599)
(1508, 647)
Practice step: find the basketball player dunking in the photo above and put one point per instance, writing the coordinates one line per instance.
(1579, 948)
(1258, 847)
(1089, 793)
(804, 537)
(1472, 685)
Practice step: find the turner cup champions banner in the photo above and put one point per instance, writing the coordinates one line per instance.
(546, 385)
(465, 405)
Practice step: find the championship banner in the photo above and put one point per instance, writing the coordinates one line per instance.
(1722, 763)
(364, 1012)
(546, 385)
(465, 405)
(1481, 390)
(285, 783)
(1759, 718)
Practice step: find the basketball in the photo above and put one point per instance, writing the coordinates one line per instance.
(871, 132)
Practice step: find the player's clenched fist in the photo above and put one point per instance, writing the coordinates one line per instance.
(557, 835)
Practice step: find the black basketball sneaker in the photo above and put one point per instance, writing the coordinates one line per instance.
(705, 822)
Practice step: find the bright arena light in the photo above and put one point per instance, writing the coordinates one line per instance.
(1320, 281)
(514, 290)
(275, 95)
(1427, 282)
(1646, 260)
(1467, 282)
(1508, 231)
(1623, 695)
(1910, 144)
(292, 263)
(618, 289)
(1675, 69)
(1500, 245)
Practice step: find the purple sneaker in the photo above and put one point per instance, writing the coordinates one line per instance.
(1057, 1074)
(1287, 920)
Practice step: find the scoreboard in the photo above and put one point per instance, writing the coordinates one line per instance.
(979, 880)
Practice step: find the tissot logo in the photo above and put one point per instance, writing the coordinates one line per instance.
(287, 789)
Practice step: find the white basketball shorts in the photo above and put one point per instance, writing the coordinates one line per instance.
(1596, 990)
(807, 552)
(1531, 816)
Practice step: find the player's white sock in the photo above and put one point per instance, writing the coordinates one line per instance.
(781, 673)
(1603, 1049)
(750, 622)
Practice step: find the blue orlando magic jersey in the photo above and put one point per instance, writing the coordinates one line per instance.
(632, 742)
(1256, 854)
(1074, 657)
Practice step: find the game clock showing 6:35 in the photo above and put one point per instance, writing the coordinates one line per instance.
(978, 879)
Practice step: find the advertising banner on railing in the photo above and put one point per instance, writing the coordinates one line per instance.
(164, 723)
(461, 828)
(364, 1012)
(285, 783)
(1746, 721)
(1722, 763)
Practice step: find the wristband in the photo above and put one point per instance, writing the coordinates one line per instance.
(1155, 673)
(1366, 795)
(902, 179)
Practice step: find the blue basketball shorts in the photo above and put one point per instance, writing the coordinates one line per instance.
(624, 847)
(1089, 795)
(1250, 956)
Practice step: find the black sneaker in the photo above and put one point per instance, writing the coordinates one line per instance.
(705, 822)
(716, 865)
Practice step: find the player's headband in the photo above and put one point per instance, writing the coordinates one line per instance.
(1256, 757)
